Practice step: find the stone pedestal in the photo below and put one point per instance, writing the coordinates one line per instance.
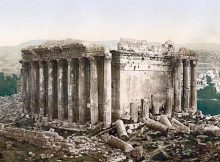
(107, 102)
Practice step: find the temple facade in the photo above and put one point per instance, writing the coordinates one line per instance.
(88, 83)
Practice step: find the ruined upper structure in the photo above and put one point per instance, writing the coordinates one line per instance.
(80, 83)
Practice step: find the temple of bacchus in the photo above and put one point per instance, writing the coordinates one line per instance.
(88, 83)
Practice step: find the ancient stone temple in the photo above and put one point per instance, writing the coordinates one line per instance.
(88, 83)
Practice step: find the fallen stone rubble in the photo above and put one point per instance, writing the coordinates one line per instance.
(155, 139)
(182, 136)
(10, 108)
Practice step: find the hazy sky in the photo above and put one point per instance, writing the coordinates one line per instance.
(154, 20)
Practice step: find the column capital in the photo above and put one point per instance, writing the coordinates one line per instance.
(34, 64)
(186, 62)
(108, 57)
(193, 62)
(81, 59)
(178, 62)
(92, 58)
(69, 60)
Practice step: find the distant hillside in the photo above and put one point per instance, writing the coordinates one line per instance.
(10, 55)
(201, 46)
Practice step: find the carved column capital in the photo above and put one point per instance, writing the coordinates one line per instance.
(81, 59)
(34, 64)
(92, 58)
(108, 57)
(178, 62)
(186, 62)
(193, 63)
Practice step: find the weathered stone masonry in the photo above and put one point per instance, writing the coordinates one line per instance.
(89, 83)
(63, 83)
(152, 78)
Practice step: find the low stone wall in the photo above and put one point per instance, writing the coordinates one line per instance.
(44, 139)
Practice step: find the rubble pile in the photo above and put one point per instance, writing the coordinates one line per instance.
(182, 136)
(185, 136)
(10, 108)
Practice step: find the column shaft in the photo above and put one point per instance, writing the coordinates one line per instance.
(186, 88)
(107, 102)
(193, 86)
(60, 84)
(51, 89)
(75, 90)
(93, 90)
(169, 100)
(70, 89)
(42, 88)
(25, 92)
(29, 86)
(82, 91)
(177, 85)
(34, 87)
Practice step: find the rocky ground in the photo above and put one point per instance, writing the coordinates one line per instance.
(197, 139)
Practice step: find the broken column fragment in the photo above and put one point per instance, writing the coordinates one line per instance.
(156, 126)
(212, 130)
(134, 112)
(180, 126)
(155, 106)
(145, 109)
(169, 98)
(136, 153)
(164, 120)
(119, 144)
(121, 129)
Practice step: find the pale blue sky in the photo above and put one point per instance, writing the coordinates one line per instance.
(154, 20)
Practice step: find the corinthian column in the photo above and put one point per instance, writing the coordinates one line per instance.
(70, 89)
(107, 96)
(93, 90)
(42, 87)
(186, 88)
(193, 85)
(82, 91)
(60, 84)
(51, 89)
(177, 85)
(25, 92)
(34, 87)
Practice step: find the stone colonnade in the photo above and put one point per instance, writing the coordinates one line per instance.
(68, 89)
(185, 87)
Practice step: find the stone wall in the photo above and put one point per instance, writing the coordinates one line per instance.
(140, 77)
(44, 139)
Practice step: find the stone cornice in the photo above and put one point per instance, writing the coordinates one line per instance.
(65, 51)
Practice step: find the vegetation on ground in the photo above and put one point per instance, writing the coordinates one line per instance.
(8, 84)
